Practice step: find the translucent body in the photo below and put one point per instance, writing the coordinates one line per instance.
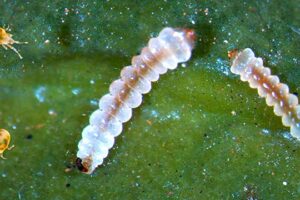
(164, 52)
(251, 69)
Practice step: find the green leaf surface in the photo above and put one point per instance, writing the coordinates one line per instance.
(200, 133)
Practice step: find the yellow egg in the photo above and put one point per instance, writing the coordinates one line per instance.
(4, 142)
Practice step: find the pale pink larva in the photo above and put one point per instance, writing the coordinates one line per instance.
(172, 46)
(251, 69)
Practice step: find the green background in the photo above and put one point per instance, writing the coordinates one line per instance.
(200, 133)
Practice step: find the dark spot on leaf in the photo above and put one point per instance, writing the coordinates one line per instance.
(64, 34)
(205, 39)
(29, 137)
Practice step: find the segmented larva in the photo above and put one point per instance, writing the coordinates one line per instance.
(251, 69)
(172, 46)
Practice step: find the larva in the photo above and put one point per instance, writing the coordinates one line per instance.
(172, 46)
(251, 69)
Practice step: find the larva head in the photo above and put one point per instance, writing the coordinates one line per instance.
(232, 54)
(178, 41)
(190, 36)
(239, 60)
(84, 165)
(185, 35)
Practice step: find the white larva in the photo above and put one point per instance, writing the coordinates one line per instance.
(172, 46)
(251, 69)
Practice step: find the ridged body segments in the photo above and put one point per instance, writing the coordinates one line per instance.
(164, 52)
(251, 69)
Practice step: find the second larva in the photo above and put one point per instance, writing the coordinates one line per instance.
(251, 69)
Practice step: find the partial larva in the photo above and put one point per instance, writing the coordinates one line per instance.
(251, 69)
(172, 46)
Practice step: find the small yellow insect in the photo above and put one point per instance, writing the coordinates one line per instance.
(6, 40)
(4, 142)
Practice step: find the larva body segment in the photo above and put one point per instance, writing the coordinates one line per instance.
(164, 52)
(251, 69)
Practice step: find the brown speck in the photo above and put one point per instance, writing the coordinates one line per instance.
(67, 170)
(149, 122)
(38, 126)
